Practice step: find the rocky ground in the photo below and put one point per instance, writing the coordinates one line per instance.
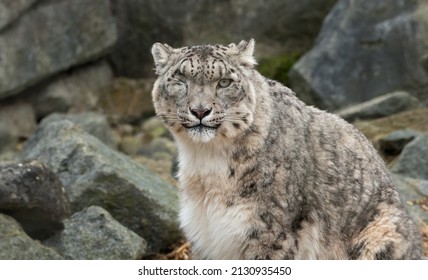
(86, 172)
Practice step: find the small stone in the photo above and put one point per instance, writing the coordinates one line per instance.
(125, 129)
(131, 144)
(154, 127)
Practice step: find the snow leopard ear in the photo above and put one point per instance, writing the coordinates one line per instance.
(246, 51)
(161, 55)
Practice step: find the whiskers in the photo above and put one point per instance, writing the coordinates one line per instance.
(236, 117)
(233, 118)
(168, 118)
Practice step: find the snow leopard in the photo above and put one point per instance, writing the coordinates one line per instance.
(264, 176)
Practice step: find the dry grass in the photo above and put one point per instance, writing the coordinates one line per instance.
(180, 251)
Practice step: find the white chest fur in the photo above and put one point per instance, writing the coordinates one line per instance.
(216, 230)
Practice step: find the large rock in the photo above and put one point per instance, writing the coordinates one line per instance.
(15, 244)
(413, 160)
(91, 122)
(74, 91)
(53, 36)
(281, 25)
(366, 48)
(34, 196)
(94, 174)
(381, 106)
(11, 9)
(94, 234)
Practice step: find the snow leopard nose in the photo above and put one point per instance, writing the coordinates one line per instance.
(200, 113)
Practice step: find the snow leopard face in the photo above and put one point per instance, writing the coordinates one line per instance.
(205, 92)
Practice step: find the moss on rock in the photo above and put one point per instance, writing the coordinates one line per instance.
(277, 67)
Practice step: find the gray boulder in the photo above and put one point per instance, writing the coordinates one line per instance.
(382, 106)
(10, 10)
(33, 195)
(94, 174)
(413, 191)
(365, 48)
(91, 122)
(15, 244)
(94, 234)
(413, 160)
(52, 37)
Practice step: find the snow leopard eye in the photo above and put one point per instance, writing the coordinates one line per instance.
(224, 83)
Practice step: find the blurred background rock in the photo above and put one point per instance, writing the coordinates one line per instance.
(75, 82)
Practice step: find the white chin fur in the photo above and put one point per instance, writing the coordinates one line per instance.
(202, 135)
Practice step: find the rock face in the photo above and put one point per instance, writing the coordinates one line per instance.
(143, 22)
(381, 106)
(34, 46)
(9, 10)
(34, 196)
(16, 245)
(94, 234)
(365, 48)
(93, 174)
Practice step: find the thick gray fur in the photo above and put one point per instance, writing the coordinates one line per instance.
(262, 175)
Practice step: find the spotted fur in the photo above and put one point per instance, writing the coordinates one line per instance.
(262, 175)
